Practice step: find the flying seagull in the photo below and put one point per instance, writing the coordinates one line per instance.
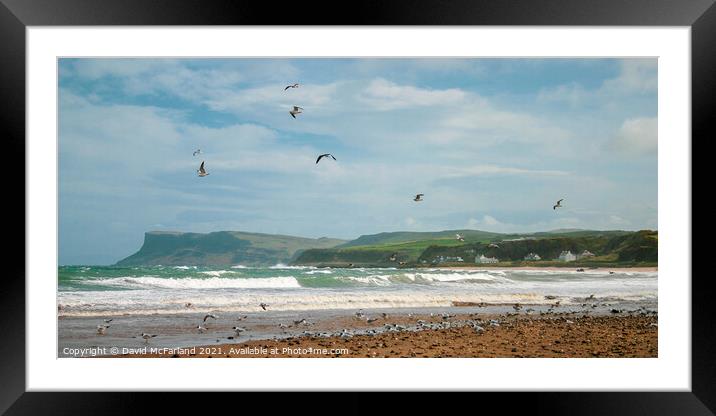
(418, 197)
(210, 315)
(459, 237)
(263, 306)
(196, 152)
(324, 155)
(291, 86)
(147, 336)
(202, 171)
(558, 205)
(296, 110)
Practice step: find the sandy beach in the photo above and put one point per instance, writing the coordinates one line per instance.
(312, 312)
(565, 335)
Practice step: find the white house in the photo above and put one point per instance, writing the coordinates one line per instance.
(533, 257)
(484, 260)
(567, 256)
(443, 259)
(585, 253)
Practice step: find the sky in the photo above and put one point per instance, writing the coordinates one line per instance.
(492, 143)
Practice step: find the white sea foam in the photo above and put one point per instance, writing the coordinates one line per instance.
(372, 288)
(146, 302)
(284, 266)
(207, 283)
(216, 273)
(319, 272)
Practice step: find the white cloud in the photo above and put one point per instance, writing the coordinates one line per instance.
(383, 95)
(636, 136)
(311, 97)
(110, 67)
(637, 75)
(572, 93)
(488, 223)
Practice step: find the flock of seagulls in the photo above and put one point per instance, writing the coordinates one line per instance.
(298, 110)
(201, 328)
(201, 172)
(102, 328)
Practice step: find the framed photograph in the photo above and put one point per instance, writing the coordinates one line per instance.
(463, 200)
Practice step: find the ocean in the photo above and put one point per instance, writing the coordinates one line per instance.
(116, 291)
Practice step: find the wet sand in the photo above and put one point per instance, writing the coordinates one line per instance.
(565, 335)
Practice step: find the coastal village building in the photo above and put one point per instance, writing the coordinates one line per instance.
(585, 254)
(567, 256)
(533, 257)
(443, 259)
(485, 260)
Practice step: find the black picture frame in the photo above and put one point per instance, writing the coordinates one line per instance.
(16, 15)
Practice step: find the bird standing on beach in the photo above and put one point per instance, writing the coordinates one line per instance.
(147, 336)
(324, 155)
(393, 257)
(291, 86)
(418, 197)
(106, 321)
(101, 329)
(201, 329)
(238, 330)
(558, 204)
(202, 172)
(296, 110)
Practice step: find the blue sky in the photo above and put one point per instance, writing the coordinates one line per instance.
(492, 143)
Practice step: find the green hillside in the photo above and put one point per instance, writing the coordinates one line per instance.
(221, 248)
(609, 247)
(407, 237)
